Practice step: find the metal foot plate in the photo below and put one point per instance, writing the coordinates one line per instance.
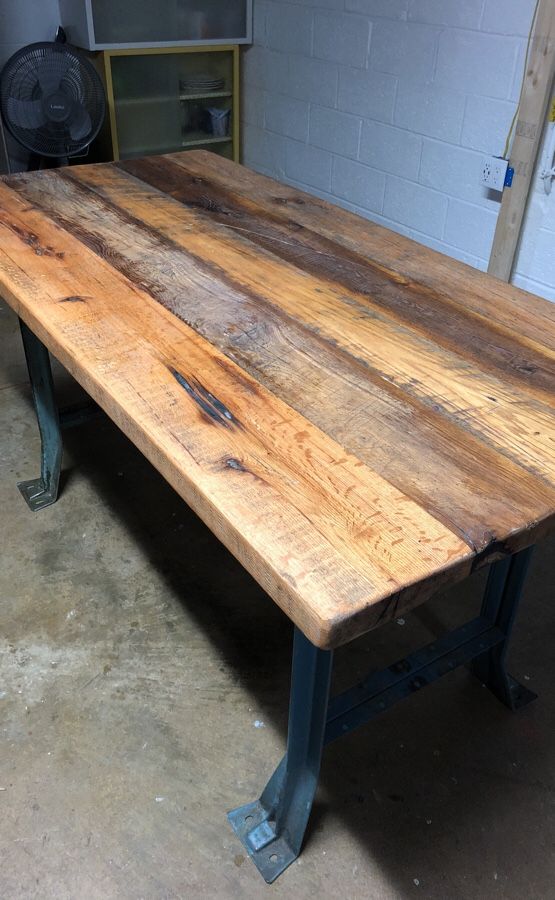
(35, 494)
(270, 853)
(520, 695)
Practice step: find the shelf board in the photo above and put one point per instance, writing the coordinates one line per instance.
(205, 96)
(130, 153)
(141, 101)
(202, 137)
(170, 98)
(197, 138)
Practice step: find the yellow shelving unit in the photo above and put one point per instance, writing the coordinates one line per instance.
(148, 110)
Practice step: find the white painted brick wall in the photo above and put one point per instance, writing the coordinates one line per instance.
(341, 38)
(415, 206)
(428, 109)
(454, 171)
(479, 63)
(391, 149)
(515, 16)
(335, 131)
(26, 21)
(466, 14)
(289, 28)
(535, 267)
(391, 9)
(405, 50)
(469, 225)
(358, 184)
(288, 116)
(308, 165)
(367, 94)
(312, 79)
(484, 121)
(387, 107)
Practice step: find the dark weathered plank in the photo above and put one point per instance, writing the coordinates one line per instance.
(369, 403)
(444, 321)
(401, 259)
(356, 434)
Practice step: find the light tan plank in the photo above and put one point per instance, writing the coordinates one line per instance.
(277, 504)
(401, 259)
(474, 490)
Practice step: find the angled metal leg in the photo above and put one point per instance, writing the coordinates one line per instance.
(503, 591)
(272, 828)
(43, 491)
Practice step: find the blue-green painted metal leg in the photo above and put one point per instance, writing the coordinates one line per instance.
(43, 491)
(272, 828)
(503, 592)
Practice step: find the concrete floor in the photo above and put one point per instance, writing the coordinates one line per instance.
(138, 662)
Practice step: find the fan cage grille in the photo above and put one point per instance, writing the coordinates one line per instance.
(78, 81)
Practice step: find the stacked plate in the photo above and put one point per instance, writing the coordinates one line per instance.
(201, 84)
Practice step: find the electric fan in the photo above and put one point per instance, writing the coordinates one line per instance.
(52, 101)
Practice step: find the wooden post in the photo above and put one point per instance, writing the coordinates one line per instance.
(536, 93)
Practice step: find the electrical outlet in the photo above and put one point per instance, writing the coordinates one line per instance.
(494, 171)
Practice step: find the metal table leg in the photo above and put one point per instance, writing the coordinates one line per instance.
(503, 591)
(272, 828)
(43, 491)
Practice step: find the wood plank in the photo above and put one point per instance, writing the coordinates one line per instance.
(450, 325)
(439, 443)
(355, 417)
(488, 407)
(536, 94)
(412, 266)
(269, 484)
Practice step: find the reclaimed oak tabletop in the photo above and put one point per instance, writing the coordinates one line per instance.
(359, 419)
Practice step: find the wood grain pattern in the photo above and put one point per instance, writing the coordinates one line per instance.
(359, 419)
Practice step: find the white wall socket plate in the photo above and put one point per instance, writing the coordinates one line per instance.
(493, 172)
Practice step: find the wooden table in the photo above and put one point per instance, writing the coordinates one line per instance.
(359, 419)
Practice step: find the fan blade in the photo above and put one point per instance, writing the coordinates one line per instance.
(51, 71)
(26, 113)
(80, 125)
